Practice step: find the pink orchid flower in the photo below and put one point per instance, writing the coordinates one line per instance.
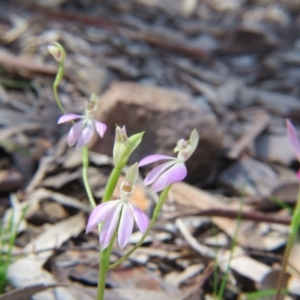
(119, 211)
(82, 132)
(294, 140)
(174, 170)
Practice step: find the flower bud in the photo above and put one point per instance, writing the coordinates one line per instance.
(124, 146)
(57, 51)
(121, 135)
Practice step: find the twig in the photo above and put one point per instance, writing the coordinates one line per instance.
(232, 214)
(203, 250)
(19, 63)
(142, 35)
(260, 120)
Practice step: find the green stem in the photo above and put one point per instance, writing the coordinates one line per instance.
(215, 274)
(59, 76)
(234, 242)
(111, 185)
(104, 262)
(13, 235)
(291, 239)
(85, 166)
(104, 259)
(105, 254)
(158, 207)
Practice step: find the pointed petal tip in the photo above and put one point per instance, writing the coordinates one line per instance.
(68, 117)
(154, 174)
(194, 137)
(74, 133)
(126, 226)
(140, 218)
(293, 138)
(175, 174)
(85, 136)
(110, 224)
(100, 128)
(100, 213)
(153, 158)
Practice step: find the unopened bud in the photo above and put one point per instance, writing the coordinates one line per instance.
(124, 146)
(57, 51)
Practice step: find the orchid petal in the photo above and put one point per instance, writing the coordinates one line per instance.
(298, 174)
(75, 132)
(99, 213)
(67, 118)
(109, 225)
(100, 127)
(293, 136)
(153, 158)
(140, 218)
(157, 171)
(125, 226)
(174, 174)
(86, 135)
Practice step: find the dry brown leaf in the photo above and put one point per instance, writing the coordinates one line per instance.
(29, 271)
(190, 196)
(56, 234)
(33, 200)
(59, 180)
(176, 278)
(243, 264)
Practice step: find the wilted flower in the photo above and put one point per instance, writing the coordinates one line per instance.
(121, 212)
(174, 170)
(82, 132)
(294, 140)
(124, 146)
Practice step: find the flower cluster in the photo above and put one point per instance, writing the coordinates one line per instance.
(120, 214)
(116, 218)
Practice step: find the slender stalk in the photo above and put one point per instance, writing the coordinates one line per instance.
(112, 241)
(234, 242)
(102, 274)
(105, 254)
(85, 166)
(291, 239)
(215, 284)
(58, 78)
(13, 235)
(1, 244)
(111, 185)
(104, 262)
(158, 207)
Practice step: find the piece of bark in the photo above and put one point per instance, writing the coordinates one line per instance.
(10, 180)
